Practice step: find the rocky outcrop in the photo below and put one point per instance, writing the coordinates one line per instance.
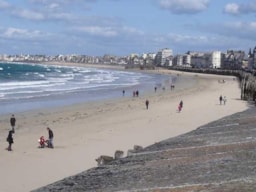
(219, 156)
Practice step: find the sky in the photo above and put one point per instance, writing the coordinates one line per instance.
(123, 27)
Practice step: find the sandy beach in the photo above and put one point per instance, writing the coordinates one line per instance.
(85, 131)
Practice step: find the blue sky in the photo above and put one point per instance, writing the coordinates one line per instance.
(122, 27)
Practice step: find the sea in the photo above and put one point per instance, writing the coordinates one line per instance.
(28, 86)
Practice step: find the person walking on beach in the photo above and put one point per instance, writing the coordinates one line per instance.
(50, 132)
(137, 93)
(13, 122)
(224, 100)
(123, 92)
(147, 103)
(10, 140)
(180, 106)
(220, 99)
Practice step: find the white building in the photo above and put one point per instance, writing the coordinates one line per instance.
(206, 60)
(216, 59)
(182, 60)
(163, 57)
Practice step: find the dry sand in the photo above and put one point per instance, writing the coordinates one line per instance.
(85, 131)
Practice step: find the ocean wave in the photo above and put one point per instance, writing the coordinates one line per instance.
(38, 81)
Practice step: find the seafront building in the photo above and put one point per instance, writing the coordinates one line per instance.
(232, 59)
(216, 59)
(252, 59)
(164, 57)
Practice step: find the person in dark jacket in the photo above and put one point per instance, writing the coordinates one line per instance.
(10, 140)
(13, 122)
(50, 144)
(147, 104)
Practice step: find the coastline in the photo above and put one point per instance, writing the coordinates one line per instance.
(85, 131)
(66, 90)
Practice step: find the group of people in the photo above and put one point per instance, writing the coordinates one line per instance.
(222, 100)
(10, 139)
(136, 93)
(180, 106)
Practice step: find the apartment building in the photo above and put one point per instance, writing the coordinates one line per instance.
(164, 57)
(233, 59)
(206, 60)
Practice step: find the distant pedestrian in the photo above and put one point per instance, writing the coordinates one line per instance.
(180, 106)
(155, 89)
(123, 92)
(13, 122)
(220, 98)
(137, 93)
(134, 93)
(10, 140)
(224, 100)
(147, 104)
(50, 132)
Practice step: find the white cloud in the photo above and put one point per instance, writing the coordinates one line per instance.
(4, 4)
(61, 16)
(232, 8)
(187, 38)
(242, 29)
(244, 8)
(28, 14)
(54, 6)
(98, 31)
(184, 6)
(17, 33)
(132, 30)
(237, 30)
